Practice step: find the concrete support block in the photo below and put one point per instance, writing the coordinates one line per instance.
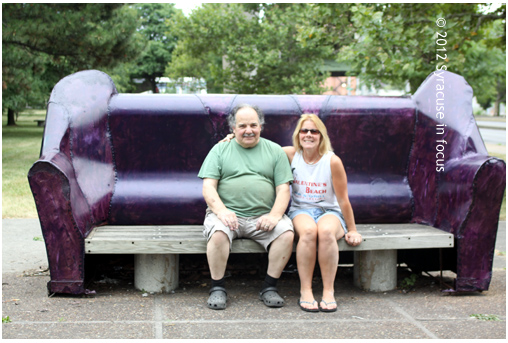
(376, 270)
(156, 273)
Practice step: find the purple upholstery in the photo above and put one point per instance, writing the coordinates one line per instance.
(73, 180)
(127, 159)
(155, 161)
(465, 198)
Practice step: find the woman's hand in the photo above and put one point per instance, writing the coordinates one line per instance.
(228, 138)
(353, 238)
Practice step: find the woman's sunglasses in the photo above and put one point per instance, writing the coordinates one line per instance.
(312, 131)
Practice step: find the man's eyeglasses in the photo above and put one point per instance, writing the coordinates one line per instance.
(312, 131)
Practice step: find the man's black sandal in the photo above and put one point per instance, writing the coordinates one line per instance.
(270, 297)
(218, 298)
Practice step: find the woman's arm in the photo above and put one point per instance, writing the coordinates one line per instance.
(290, 152)
(339, 180)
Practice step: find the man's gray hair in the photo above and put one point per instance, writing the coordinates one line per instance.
(232, 115)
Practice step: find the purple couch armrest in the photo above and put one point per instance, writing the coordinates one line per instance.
(457, 187)
(74, 178)
(470, 193)
(66, 220)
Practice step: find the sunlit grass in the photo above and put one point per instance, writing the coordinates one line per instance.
(21, 146)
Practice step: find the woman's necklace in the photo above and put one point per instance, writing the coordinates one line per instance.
(313, 162)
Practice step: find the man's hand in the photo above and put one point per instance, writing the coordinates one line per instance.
(270, 220)
(229, 219)
(353, 238)
(267, 222)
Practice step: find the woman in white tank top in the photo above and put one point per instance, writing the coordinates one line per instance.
(320, 209)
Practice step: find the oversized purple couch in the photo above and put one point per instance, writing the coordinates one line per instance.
(130, 159)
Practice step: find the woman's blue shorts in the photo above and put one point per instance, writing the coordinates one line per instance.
(317, 213)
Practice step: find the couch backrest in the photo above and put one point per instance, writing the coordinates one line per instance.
(373, 136)
(154, 135)
(160, 141)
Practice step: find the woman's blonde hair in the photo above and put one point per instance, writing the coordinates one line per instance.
(324, 144)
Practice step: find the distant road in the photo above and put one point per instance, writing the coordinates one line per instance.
(491, 124)
(493, 136)
(492, 131)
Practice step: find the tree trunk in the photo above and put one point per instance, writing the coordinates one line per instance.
(153, 84)
(11, 117)
(501, 97)
(414, 84)
(497, 107)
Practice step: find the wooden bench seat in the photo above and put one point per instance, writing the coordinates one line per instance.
(156, 250)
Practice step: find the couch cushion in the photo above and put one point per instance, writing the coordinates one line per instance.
(373, 136)
(159, 144)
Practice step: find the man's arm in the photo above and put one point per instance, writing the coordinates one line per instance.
(268, 221)
(215, 204)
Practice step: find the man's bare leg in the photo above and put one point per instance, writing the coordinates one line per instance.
(279, 254)
(217, 253)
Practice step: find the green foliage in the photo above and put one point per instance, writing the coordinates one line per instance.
(486, 317)
(250, 49)
(327, 24)
(279, 48)
(160, 42)
(41, 43)
(408, 282)
(396, 43)
(6, 319)
(485, 66)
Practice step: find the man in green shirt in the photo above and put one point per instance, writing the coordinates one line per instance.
(246, 188)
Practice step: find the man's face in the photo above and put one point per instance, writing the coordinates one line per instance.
(247, 130)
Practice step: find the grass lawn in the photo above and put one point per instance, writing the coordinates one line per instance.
(20, 149)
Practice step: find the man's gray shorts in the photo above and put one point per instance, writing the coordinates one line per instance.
(246, 229)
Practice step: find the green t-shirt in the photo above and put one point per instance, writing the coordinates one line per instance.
(247, 177)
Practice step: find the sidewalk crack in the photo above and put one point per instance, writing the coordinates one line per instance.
(411, 319)
(157, 318)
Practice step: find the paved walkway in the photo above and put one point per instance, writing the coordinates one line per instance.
(119, 311)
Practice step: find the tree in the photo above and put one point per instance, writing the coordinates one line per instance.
(251, 48)
(152, 63)
(399, 43)
(41, 43)
(486, 66)
(327, 24)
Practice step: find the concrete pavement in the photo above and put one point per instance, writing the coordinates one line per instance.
(119, 311)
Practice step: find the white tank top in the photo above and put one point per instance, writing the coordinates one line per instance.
(312, 185)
